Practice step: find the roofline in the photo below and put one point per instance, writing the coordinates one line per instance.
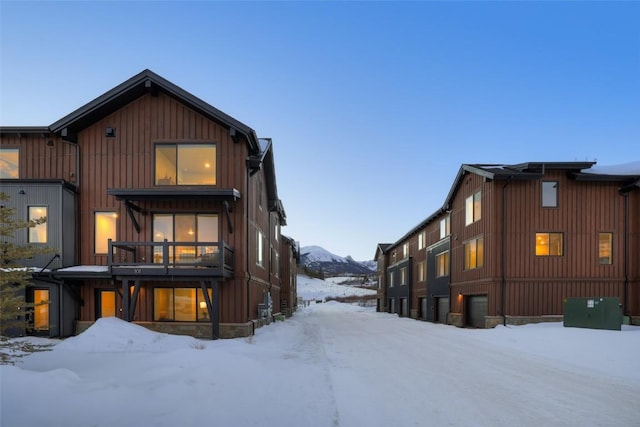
(146, 81)
(31, 130)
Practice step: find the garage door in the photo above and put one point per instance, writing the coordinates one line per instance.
(443, 309)
(476, 310)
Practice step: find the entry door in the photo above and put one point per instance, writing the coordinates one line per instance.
(41, 314)
(106, 304)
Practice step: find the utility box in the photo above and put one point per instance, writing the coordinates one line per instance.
(593, 313)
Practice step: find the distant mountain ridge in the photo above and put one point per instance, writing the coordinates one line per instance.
(318, 259)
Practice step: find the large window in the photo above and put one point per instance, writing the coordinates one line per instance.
(186, 228)
(445, 227)
(38, 233)
(9, 163)
(105, 229)
(605, 243)
(185, 164)
(473, 254)
(180, 305)
(549, 194)
(442, 264)
(473, 208)
(549, 244)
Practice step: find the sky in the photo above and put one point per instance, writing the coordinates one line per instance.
(372, 106)
(323, 367)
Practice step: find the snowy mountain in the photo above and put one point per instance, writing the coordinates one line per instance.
(319, 259)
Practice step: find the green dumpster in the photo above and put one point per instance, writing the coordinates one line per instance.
(593, 313)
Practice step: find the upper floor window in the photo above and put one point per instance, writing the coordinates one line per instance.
(105, 229)
(605, 244)
(38, 233)
(421, 240)
(442, 264)
(549, 244)
(473, 208)
(390, 279)
(549, 194)
(473, 254)
(445, 227)
(405, 250)
(185, 164)
(403, 276)
(422, 271)
(9, 163)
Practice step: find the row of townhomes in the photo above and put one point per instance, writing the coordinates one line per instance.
(162, 210)
(512, 242)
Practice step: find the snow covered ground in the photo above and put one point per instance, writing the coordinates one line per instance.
(316, 289)
(331, 364)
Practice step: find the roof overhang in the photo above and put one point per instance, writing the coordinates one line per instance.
(174, 193)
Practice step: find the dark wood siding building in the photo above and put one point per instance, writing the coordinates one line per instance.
(176, 219)
(525, 237)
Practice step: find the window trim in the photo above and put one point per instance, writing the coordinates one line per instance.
(45, 225)
(476, 204)
(112, 214)
(156, 180)
(544, 184)
(447, 266)
(610, 243)
(3, 152)
(478, 244)
(538, 235)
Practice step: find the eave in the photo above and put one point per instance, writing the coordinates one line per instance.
(179, 193)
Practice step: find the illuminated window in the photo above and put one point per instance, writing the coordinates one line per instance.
(9, 163)
(105, 229)
(405, 251)
(442, 264)
(38, 233)
(260, 249)
(185, 164)
(445, 227)
(605, 244)
(549, 194)
(422, 271)
(473, 254)
(473, 208)
(196, 228)
(180, 304)
(41, 309)
(549, 244)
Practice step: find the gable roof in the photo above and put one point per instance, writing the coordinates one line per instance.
(142, 83)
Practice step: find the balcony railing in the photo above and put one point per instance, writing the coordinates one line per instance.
(189, 258)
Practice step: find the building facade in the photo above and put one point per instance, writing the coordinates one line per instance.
(162, 210)
(513, 242)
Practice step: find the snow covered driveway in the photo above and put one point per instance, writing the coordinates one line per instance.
(387, 371)
(330, 365)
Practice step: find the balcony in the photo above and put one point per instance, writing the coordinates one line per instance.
(197, 259)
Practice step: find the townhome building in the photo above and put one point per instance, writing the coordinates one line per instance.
(162, 210)
(512, 242)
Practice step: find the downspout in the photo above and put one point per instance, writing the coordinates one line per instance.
(247, 251)
(626, 256)
(504, 250)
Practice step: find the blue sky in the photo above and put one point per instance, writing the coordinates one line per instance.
(372, 106)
